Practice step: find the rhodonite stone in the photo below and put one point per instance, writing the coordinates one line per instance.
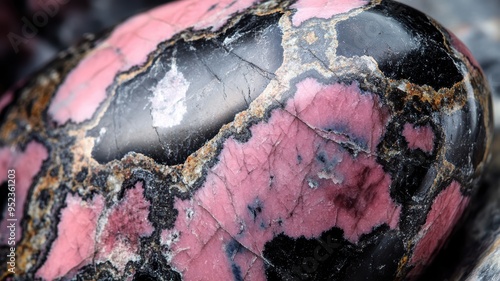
(245, 140)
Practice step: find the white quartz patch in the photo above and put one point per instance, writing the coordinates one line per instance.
(168, 104)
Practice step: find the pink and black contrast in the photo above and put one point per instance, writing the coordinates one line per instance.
(246, 140)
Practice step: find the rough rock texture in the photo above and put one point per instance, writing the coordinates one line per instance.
(247, 140)
(33, 31)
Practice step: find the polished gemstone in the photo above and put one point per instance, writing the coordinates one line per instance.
(246, 140)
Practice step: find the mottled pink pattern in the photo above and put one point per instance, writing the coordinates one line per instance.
(80, 241)
(308, 9)
(26, 164)
(354, 116)
(5, 99)
(296, 181)
(460, 46)
(421, 137)
(444, 214)
(125, 224)
(129, 44)
(75, 243)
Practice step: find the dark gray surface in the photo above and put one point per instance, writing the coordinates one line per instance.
(473, 253)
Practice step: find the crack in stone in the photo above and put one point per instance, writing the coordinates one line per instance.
(229, 191)
(249, 268)
(159, 138)
(142, 37)
(247, 102)
(222, 228)
(325, 65)
(214, 75)
(209, 69)
(264, 73)
(356, 148)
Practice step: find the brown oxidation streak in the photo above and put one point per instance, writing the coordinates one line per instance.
(448, 98)
(32, 238)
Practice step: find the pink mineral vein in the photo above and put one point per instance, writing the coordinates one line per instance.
(324, 9)
(75, 245)
(444, 214)
(419, 137)
(84, 88)
(26, 165)
(354, 114)
(126, 223)
(285, 179)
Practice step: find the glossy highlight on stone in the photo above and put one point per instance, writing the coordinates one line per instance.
(247, 140)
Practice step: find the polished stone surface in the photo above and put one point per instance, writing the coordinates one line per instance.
(472, 253)
(247, 141)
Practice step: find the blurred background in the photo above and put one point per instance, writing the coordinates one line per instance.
(33, 31)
